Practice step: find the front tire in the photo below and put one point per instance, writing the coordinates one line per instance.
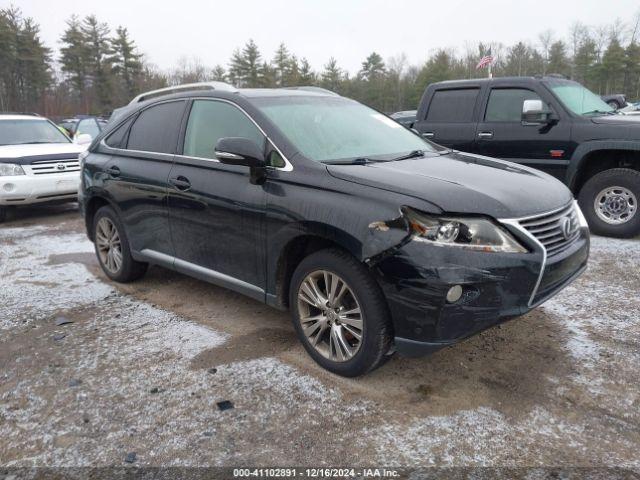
(3, 214)
(609, 201)
(112, 248)
(339, 313)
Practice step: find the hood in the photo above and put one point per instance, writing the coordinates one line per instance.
(630, 120)
(464, 183)
(25, 154)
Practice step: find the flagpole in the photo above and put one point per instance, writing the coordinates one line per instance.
(490, 74)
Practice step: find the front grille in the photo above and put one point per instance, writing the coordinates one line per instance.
(48, 167)
(550, 230)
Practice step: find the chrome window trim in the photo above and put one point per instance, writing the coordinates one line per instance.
(125, 151)
(165, 157)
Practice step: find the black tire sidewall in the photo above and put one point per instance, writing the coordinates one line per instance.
(130, 268)
(621, 177)
(376, 337)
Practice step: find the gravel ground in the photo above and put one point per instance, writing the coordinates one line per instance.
(143, 367)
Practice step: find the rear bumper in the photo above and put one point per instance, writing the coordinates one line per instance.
(30, 189)
(496, 288)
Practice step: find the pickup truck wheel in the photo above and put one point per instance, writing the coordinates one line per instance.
(3, 214)
(112, 248)
(609, 201)
(340, 314)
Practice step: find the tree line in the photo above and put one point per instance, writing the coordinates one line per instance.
(97, 68)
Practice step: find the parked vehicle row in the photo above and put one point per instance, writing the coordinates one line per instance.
(615, 100)
(38, 163)
(84, 128)
(376, 239)
(549, 123)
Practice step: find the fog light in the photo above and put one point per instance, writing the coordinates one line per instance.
(8, 187)
(454, 293)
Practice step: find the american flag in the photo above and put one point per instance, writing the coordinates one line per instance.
(485, 61)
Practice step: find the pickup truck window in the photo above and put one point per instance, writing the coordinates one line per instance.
(452, 106)
(505, 104)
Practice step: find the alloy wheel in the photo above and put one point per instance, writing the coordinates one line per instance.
(330, 315)
(615, 205)
(109, 245)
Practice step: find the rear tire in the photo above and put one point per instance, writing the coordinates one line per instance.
(112, 248)
(609, 201)
(358, 309)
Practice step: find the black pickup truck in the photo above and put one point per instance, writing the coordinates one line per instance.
(549, 123)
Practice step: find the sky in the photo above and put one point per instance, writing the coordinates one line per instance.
(348, 30)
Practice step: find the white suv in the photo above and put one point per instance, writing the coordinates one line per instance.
(38, 163)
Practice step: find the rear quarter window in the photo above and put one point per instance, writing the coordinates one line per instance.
(452, 106)
(118, 139)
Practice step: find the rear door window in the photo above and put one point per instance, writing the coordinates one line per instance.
(453, 106)
(505, 104)
(156, 128)
(211, 120)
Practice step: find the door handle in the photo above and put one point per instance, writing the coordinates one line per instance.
(181, 183)
(428, 134)
(485, 135)
(113, 171)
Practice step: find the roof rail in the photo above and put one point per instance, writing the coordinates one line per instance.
(311, 88)
(183, 88)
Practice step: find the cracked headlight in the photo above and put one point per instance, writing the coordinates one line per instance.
(10, 170)
(477, 234)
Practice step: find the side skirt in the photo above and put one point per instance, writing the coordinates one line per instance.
(202, 273)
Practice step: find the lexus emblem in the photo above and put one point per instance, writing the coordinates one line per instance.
(567, 228)
(61, 166)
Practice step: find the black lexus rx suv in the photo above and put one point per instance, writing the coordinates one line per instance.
(375, 239)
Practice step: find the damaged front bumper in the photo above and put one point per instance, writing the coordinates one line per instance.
(496, 287)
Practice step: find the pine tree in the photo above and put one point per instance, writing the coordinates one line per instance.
(558, 62)
(306, 75)
(281, 65)
(613, 63)
(126, 62)
(332, 76)
(632, 70)
(25, 71)
(98, 61)
(73, 55)
(372, 68)
(246, 68)
(219, 74)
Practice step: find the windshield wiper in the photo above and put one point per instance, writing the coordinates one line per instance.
(352, 161)
(413, 154)
(602, 112)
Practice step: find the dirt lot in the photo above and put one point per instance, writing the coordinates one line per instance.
(142, 367)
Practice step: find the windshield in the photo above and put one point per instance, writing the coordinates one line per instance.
(334, 128)
(580, 100)
(18, 132)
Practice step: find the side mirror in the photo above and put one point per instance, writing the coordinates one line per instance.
(239, 151)
(83, 139)
(534, 112)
